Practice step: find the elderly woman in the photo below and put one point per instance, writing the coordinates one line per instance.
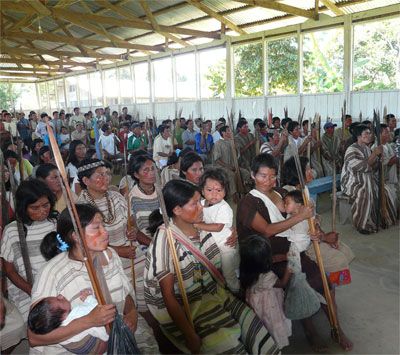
(221, 323)
(35, 204)
(335, 254)
(191, 168)
(65, 274)
(260, 212)
(49, 174)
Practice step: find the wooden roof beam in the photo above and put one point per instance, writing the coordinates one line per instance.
(268, 4)
(332, 6)
(65, 30)
(33, 61)
(24, 74)
(58, 54)
(38, 7)
(35, 69)
(216, 16)
(156, 26)
(50, 37)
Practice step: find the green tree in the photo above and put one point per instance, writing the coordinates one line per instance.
(8, 96)
(248, 70)
(377, 56)
(217, 78)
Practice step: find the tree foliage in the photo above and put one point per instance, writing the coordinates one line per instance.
(8, 96)
(377, 56)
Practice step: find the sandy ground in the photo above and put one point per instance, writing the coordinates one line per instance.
(369, 306)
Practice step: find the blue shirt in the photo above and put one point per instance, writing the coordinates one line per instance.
(208, 146)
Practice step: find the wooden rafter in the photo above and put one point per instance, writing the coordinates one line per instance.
(156, 26)
(38, 6)
(66, 31)
(48, 63)
(332, 6)
(31, 75)
(35, 69)
(273, 5)
(216, 15)
(50, 37)
(58, 54)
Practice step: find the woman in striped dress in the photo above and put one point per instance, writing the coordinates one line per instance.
(35, 209)
(221, 323)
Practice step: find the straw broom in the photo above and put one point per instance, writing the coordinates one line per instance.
(172, 249)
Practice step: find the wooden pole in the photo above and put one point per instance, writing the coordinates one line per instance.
(21, 232)
(172, 249)
(311, 222)
(334, 194)
(75, 218)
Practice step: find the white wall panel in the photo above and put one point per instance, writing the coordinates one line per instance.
(251, 107)
(277, 103)
(144, 110)
(164, 110)
(188, 108)
(366, 102)
(213, 109)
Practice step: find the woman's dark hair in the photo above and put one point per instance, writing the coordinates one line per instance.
(10, 154)
(43, 318)
(263, 160)
(285, 121)
(358, 130)
(255, 259)
(216, 174)
(289, 171)
(296, 195)
(87, 173)
(136, 163)
(187, 161)
(71, 155)
(28, 192)
(50, 245)
(176, 193)
(44, 170)
(90, 152)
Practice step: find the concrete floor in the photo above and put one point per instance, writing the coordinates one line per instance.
(369, 306)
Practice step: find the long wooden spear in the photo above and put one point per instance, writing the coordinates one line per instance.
(21, 232)
(88, 261)
(334, 199)
(172, 249)
(311, 222)
(238, 175)
(129, 222)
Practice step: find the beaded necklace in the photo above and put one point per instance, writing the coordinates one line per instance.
(110, 219)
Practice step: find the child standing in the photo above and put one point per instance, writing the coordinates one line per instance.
(218, 219)
(262, 288)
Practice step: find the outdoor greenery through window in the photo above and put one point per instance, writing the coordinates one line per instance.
(96, 89)
(111, 87)
(185, 76)
(44, 103)
(83, 84)
(376, 63)
(248, 64)
(213, 73)
(60, 92)
(323, 56)
(52, 93)
(126, 85)
(283, 66)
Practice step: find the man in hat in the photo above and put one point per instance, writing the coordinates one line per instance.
(330, 149)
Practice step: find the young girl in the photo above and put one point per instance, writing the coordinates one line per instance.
(263, 290)
(335, 255)
(218, 219)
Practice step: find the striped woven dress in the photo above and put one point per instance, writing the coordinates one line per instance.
(224, 323)
(11, 252)
(141, 206)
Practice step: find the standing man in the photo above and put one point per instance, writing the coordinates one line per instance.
(76, 117)
(204, 143)
(24, 130)
(245, 144)
(162, 147)
(330, 149)
(189, 135)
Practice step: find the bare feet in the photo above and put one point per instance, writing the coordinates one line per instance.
(345, 343)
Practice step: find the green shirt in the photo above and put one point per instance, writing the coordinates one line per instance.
(134, 142)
